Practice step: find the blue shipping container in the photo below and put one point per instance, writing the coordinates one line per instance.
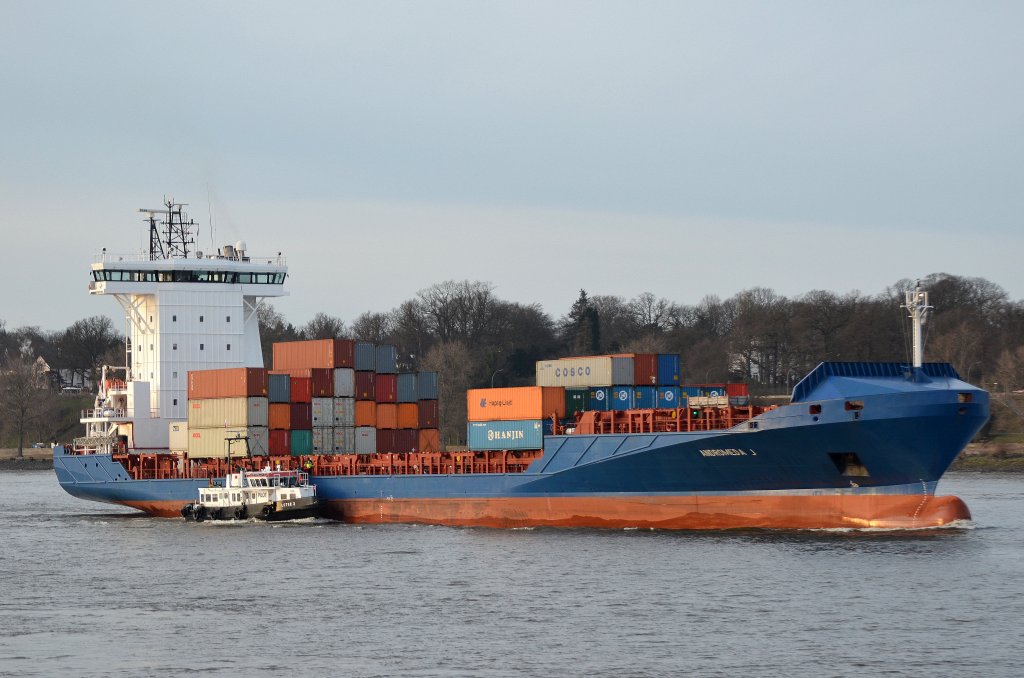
(505, 435)
(600, 399)
(668, 369)
(669, 397)
(387, 359)
(426, 386)
(279, 388)
(366, 356)
(549, 426)
(623, 398)
(645, 397)
(407, 388)
(691, 391)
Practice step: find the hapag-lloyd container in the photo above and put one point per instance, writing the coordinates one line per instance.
(365, 386)
(344, 382)
(232, 382)
(385, 388)
(210, 412)
(206, 443)
(669, 370)
(323, 412)
(429, 440)
(321, 380)
(344, 439)
(366, 440)
(585, 371)
(326, 353)
(645, 369)
(366, 356)
(426, 386)
(427, 414)
(407, 387)
(344, 412)
(527, 434)
(386, 359)
(279, 388)
(323, 440)
(522, 402)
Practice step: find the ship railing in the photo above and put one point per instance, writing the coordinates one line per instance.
(113, 258)
(105, 413)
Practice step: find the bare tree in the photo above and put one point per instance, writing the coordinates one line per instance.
(273, 328)
(375, 327)
(455, 365)
(83, 345)
(323, 326)
(26, 398)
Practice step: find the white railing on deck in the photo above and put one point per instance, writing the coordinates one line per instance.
(105, 413)
(110, 258)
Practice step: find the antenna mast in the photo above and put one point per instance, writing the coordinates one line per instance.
(171, 235)
(919, 310)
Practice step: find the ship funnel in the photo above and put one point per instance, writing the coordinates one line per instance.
(227, 251)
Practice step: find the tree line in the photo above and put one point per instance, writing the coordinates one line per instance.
(473, 338)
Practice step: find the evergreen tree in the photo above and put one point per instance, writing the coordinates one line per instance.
(582, 327)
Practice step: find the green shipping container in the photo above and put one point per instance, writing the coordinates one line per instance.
(576, 400)
(301, 442)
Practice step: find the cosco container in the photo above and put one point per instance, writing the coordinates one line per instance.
(576, 400)
(301, 415)
(428, 415)
(387, 415)
(280, 416)
(623, 398)
(407, 387)
(386, 359)
(323, 412)
(233, 382)
(426, 386)
(586, 371)
(300, 441)
(364, 386)
(429, 440)
(323, 440)
(279, 388)
(344, 440)
(669, 369)
(669, 398)
(206, 443)
(385, 388)
(345, 412)
(645, 369)
(325, 353)
(599, 399)
(366, 440)
(408, 415)
(223, 412)
(645, 397)
(366, 413)
(523, 402)
(344, 382)
(321, 384)
(526, 434)
(366, 356)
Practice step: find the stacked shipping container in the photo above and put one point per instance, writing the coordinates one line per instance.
(227, 411)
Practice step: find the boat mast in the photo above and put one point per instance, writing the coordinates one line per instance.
(918, 308)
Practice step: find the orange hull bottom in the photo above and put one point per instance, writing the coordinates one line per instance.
(668, 513)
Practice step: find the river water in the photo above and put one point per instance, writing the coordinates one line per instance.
(96, 590)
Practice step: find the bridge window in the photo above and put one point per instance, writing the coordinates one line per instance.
(229, 347)
(202, 347)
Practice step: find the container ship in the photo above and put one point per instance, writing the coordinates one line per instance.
(614, 441)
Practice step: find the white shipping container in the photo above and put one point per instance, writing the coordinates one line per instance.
(238, 412)
(589, 371)
(345, 440)
(344, 412)
(366, 439)
(323, 440)
(213, 442)
(344, 382)
(177, 434)
(323, 412)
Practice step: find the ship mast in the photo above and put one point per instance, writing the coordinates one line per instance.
(917, 306)
(171, 236)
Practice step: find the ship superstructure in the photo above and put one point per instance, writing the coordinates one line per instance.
(184, 310)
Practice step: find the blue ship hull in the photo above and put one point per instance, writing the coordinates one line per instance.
(862, 444)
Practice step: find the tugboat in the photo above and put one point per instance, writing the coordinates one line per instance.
(264, 495)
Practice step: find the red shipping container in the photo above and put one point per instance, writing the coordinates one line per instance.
(322, 353)
(302, 390)
(737, 389)
(429, 440)
(645, 369)
(301, 416)
(387, 416)
(386, 441)
(322, 379)
(279, 444)
(233, 382)
(279, 416)
(427, 414)
(385, 388)
(406, 440)
(366, 413)
(365, 386)
(408, 415)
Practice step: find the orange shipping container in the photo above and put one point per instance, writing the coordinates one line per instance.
(524, 402)
(430, 440)
(408, 415)
(366, 413)
(387, 415)
(326, 353)
(280, 416)
(232, 382)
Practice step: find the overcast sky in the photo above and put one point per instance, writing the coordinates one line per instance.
(679, 148)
